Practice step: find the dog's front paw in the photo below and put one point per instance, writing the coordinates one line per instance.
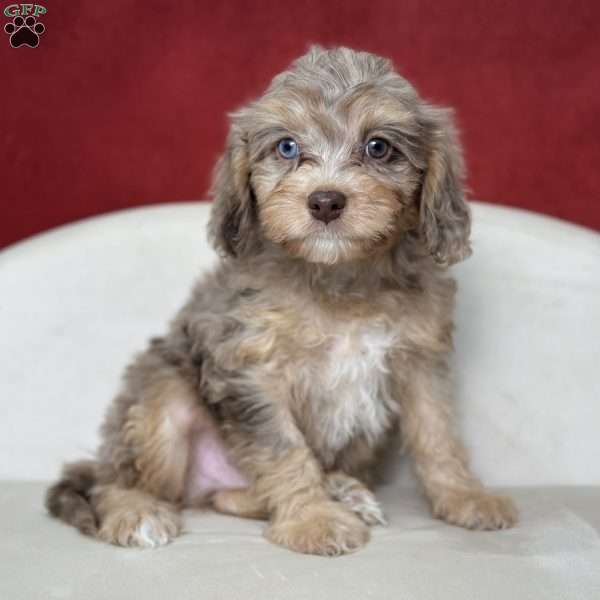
(475, 509)
(327, 528)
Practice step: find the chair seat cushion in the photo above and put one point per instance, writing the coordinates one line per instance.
(554, 553)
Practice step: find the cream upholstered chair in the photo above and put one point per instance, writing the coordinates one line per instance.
(77, 302)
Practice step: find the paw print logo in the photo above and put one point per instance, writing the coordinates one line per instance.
(24, 32)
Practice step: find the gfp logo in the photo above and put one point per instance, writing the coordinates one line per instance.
(25, 29)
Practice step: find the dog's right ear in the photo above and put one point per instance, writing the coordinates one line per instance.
(232, 224)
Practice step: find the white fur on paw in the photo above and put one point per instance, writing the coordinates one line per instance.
(356, 497)
(144, 529)
(364, 504)
(150, 534)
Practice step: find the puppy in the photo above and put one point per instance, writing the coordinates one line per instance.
(321, 337)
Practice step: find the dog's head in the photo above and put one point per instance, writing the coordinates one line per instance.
(336, 162)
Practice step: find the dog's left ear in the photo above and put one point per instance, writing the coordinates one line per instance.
(445, 218)
(232, 224)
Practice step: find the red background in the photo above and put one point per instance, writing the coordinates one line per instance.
(123, 103)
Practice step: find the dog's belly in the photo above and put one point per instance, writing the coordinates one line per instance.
(209, 467)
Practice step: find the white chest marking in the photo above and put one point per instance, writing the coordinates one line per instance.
(353, 394)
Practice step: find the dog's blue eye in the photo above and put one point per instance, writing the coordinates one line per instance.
(287, 148)
(378, 148)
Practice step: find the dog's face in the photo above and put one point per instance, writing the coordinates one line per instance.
(336, 162)
(332, 178)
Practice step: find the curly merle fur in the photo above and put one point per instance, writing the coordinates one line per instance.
(312, 347)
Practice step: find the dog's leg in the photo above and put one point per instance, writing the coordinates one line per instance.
(240, 502)
(157, 432)
(303, 516)
(440, 459)
(148, 457)
(354, 494)
(131, 517)
(286, 480)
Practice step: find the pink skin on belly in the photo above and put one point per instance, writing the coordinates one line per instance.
(210, 469)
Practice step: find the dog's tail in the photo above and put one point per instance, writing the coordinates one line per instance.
(69, 499)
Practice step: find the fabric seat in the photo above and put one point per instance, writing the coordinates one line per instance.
(77, 302)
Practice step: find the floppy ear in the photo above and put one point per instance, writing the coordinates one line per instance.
(445, 218)
(232, 224)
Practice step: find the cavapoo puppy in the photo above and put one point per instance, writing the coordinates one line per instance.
(322, 335)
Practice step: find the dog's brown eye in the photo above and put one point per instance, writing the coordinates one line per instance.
(287, 148)
(378, 148)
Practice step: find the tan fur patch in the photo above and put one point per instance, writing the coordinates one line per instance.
(158, 429)
(326, 528)
(240, 503)
(475, 509)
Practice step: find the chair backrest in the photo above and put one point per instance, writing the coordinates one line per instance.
(76, 303)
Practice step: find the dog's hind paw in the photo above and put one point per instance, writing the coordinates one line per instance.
(357, 497)
(140, 521)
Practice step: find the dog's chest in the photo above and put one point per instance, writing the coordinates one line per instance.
(349, 386)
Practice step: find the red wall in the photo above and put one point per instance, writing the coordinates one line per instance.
(123, 103)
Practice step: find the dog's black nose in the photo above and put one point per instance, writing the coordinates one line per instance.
(326, 205)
